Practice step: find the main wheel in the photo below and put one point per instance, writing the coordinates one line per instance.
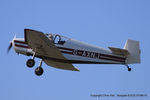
(39, 71)
(30, 63)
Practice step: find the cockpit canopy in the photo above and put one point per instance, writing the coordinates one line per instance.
(57, 39)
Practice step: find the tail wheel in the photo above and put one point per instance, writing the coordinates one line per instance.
(30, 63)
(129, 69)
(39, 71)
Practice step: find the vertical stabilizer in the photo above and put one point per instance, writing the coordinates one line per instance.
(133, 48)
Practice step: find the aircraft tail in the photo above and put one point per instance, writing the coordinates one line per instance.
(133, 47)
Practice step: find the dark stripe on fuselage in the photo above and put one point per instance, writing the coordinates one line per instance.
(22, 46)
(16, 41)
(77, 61)
(76, 52)
(92, 54)
(80, 52)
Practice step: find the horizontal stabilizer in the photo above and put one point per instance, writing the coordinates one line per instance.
(119, 51)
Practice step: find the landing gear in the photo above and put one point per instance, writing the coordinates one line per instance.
(39, 70)
(129, 69)
(30, 63)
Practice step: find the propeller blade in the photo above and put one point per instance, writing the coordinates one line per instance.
(10, 46)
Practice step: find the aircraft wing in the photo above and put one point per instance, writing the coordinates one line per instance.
(119, 51)
(41, 44)
(47, 50)
(60, 65)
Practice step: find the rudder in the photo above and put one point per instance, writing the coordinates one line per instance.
(133, 48)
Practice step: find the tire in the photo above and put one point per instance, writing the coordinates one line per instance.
(30, 63)
(39, 71)
(129, 69)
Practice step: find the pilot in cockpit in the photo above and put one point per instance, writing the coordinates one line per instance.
(50, 37)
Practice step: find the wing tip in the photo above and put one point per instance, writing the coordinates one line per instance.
(75, 69)
(28, 31)
(25, 34)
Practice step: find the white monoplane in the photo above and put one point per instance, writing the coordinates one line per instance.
(61, 52)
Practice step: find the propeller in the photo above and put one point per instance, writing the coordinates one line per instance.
(11, 44)
(9, 47)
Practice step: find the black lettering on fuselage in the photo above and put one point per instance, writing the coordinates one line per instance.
(86, 54)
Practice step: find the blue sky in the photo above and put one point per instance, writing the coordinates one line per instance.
(100, 22)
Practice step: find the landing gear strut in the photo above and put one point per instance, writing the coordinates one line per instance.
(129, 69)
(30, 62)
(39, 70)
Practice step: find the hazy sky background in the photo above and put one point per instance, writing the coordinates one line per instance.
(100, 22)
